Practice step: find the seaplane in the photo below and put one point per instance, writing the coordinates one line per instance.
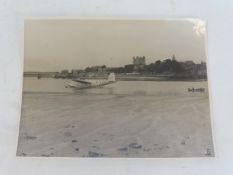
(92, 83)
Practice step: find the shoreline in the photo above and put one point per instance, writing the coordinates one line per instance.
(159, 79)
(138, 78)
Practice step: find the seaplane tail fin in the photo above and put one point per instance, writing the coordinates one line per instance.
(111, 77)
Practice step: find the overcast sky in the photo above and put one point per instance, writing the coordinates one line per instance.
(53, 45)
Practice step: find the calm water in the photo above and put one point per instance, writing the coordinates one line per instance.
(162, 88)
(162, 118)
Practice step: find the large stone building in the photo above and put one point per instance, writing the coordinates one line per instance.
(139, 62)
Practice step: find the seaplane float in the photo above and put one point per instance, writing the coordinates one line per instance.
(92, 83)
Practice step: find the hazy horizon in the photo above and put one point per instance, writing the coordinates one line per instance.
(56, 44)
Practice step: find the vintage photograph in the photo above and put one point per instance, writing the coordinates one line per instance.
(131, 88)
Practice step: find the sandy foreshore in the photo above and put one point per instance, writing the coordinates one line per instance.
(82, 125)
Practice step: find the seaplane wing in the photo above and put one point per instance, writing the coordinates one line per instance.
(82, 81)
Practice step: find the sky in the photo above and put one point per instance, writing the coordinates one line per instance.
(57, 44)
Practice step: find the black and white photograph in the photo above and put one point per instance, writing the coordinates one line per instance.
(120, 88)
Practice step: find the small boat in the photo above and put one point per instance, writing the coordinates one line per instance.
(196, 89)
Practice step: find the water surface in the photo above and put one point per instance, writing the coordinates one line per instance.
(124, 119)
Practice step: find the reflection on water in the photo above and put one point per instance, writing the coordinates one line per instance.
(96, 90)
(141, 88)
